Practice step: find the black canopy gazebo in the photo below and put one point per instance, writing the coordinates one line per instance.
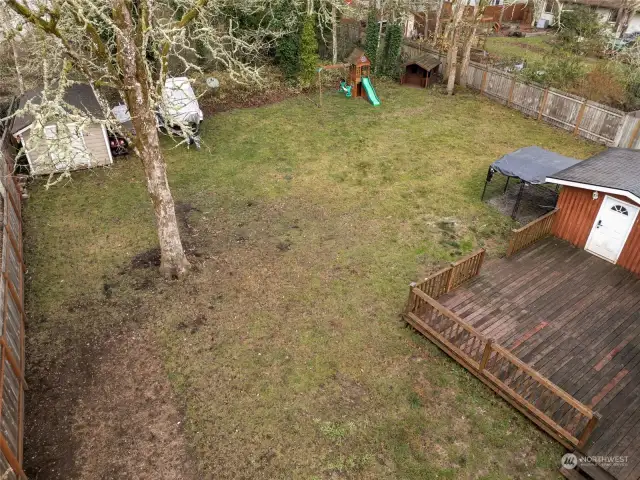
(531, 166)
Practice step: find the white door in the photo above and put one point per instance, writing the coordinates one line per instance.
(611, 228)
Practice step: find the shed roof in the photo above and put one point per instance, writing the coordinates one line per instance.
(356, 57)
(614, 168)
(426, 61)
(79, 95)
(532, 164)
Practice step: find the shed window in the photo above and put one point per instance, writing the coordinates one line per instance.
(620, 209)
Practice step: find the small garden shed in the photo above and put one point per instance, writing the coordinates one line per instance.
(64, 146)
(599, 204)
(420, 71)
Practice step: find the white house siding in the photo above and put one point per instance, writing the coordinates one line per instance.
(40, 159)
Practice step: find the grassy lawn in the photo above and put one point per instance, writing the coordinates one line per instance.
(534, 50)
(284, 347)
(531, 49)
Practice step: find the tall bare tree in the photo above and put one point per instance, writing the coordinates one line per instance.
(471, 39)
(129, 45)
(455, 32)
(437, 26)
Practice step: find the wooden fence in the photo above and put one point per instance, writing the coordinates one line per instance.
(578, 115)
(453, 276)
(532, 232)
(548, 406)
(12, 358)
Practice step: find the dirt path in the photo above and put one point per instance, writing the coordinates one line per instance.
(107, 412)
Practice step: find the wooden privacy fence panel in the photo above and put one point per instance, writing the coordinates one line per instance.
(551, 408)
(532, 232)
(12, 361)
(591, 120)
(629, 133)
(12, 339)
(454, 275)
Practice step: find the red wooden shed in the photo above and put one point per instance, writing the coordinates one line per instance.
(599, 205)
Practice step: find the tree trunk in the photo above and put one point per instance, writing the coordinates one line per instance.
(173, 261)
(470, 41)
(502, 16)
(466, 55)
(426, 24)
(436, 30)
(334, 34)
(379, 51)
(16, 61)
(453, 49)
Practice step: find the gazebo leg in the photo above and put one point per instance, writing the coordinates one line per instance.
(486, 181)
(506, 185)
(517, 205)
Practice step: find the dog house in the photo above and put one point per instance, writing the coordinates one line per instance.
(420, 71)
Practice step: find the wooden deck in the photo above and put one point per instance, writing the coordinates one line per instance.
(575, 318)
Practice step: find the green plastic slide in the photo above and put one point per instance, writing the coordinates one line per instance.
(371, 93)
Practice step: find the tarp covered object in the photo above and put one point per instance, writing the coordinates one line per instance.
(532, 164)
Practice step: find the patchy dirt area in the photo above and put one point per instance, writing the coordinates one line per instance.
(144, 440)
(100, 406)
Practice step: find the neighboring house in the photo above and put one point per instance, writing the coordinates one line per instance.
(599, 205)
(619, 14)
(75, 148)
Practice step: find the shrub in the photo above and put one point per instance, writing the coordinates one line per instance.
(581, 31)
(562, 72)
(603, 84)
(309, 59)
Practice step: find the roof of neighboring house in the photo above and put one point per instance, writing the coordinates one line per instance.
(355, 57)
(425, 61)
(79, 95)
(615, 168)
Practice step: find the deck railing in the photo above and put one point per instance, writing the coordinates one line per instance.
(453, 276)
(532, 232)
(547, 405)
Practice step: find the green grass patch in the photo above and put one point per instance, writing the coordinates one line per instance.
(306, 225)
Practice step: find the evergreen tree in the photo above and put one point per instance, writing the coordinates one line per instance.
(392, 48)
(287, 51)
(288, 55)
(309, 59)
(371, 37)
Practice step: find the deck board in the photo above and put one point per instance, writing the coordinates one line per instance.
(576, 319)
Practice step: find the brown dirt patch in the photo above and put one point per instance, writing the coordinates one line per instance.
(100, 406)
(244, 98)
(140, 439)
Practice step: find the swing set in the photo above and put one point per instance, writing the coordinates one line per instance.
(357, 82)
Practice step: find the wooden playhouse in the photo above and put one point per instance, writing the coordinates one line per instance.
(420, 71)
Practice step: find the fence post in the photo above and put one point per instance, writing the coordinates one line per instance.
(452, 274)
(635, 134)
(543, 103)
(576, 130)
(409, 306)
(481, 261)
(586, 433)
(513, 86)
(483, 84)
(488, 347)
